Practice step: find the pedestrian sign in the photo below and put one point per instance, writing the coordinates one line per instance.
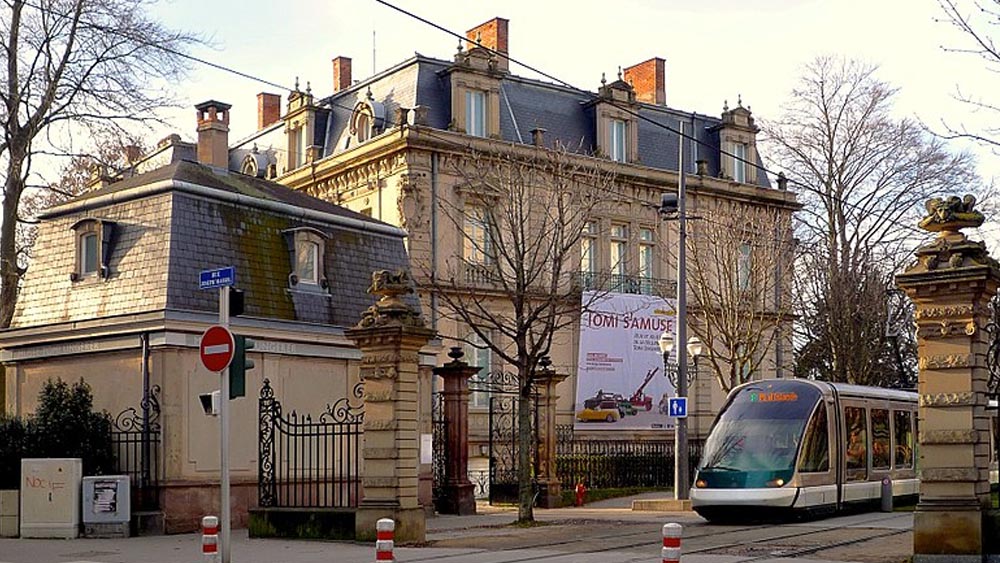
(677, 407)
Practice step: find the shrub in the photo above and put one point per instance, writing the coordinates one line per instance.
(63, 425)
(13, 441)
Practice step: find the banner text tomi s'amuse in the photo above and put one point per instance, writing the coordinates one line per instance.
(620, 383)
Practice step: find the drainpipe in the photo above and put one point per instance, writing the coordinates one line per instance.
(434, 238)
(145, 477)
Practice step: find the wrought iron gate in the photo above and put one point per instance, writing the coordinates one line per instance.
(135, 442)
(309, 463)
(503, 429)
(439, 431)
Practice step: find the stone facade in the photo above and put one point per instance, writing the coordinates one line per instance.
(401, 169)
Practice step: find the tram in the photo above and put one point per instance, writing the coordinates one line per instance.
(796, 446)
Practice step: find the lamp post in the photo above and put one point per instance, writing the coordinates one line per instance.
(669, 206)
(681, 374)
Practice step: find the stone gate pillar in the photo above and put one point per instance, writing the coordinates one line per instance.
(390, 335)
(458, 494)
(951, 284)
(545, 380)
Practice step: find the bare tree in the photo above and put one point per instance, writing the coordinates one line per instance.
(71, 67)
(863, 176)
(739, 275)
(976, 21)
(520, 215)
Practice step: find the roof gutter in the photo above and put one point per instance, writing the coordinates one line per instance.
(164, 186)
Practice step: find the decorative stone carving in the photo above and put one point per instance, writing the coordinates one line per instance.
(379, 372)
(947, 312)
(951, 214)
(390, 310)
(947, 400)
(945, 329)
(945, 361)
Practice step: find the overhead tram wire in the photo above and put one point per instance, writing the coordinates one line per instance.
(559, 81)
(629, 111)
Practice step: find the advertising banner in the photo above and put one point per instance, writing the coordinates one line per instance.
(620, 384)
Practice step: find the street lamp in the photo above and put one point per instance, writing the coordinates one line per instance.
(681, 374)
(695, 349)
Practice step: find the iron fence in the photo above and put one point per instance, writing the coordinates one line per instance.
(135, 443)
(601, 464)
(307, 463)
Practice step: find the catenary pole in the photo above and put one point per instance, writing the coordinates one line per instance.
(681, 480)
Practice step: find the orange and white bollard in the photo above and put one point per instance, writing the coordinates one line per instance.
(210, 538)
(672, 543)
(385, 531)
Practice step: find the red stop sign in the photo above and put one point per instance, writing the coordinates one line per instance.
(217, 348)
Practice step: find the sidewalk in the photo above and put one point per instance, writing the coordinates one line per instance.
(488, 531)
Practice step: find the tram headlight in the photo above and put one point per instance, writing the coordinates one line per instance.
(701, 483)
(779, 482)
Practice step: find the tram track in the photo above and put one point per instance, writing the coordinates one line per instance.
(608, 543)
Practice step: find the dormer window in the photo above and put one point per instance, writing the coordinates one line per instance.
(93, 249)
(475, 113)
(617, 142)
(307, 247)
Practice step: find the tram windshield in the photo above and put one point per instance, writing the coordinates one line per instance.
(757, 436)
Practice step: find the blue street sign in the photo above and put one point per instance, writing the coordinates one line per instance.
(218, 277)
(677, 407)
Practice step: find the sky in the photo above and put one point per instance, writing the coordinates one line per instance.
(715, 50)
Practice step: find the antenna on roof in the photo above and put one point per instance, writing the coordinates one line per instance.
(373, 51)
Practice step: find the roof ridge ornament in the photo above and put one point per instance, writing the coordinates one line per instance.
(604, 80)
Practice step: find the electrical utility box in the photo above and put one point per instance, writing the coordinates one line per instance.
(106, 506)
(50, 497)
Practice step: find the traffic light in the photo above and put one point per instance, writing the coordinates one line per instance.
(239, 366)
(236, 302)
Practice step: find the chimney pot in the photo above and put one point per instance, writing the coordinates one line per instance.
(538, 136)
(492, 35)
(782, 182)
(268, 109)
(341, 73)
(213, 133)
(648, 79)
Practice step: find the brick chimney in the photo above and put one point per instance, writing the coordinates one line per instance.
(213, 133)
(341, 73)
(649, 81)
(268, 109)
(492, 35)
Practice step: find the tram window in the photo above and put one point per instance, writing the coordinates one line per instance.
(816, 443)
(880, 439)
(904, 439)
(857, 438)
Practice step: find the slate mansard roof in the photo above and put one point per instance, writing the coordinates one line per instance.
(173, 222)
(525, 104)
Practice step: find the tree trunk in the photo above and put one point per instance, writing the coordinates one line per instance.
(526, 492)
(9, 272)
